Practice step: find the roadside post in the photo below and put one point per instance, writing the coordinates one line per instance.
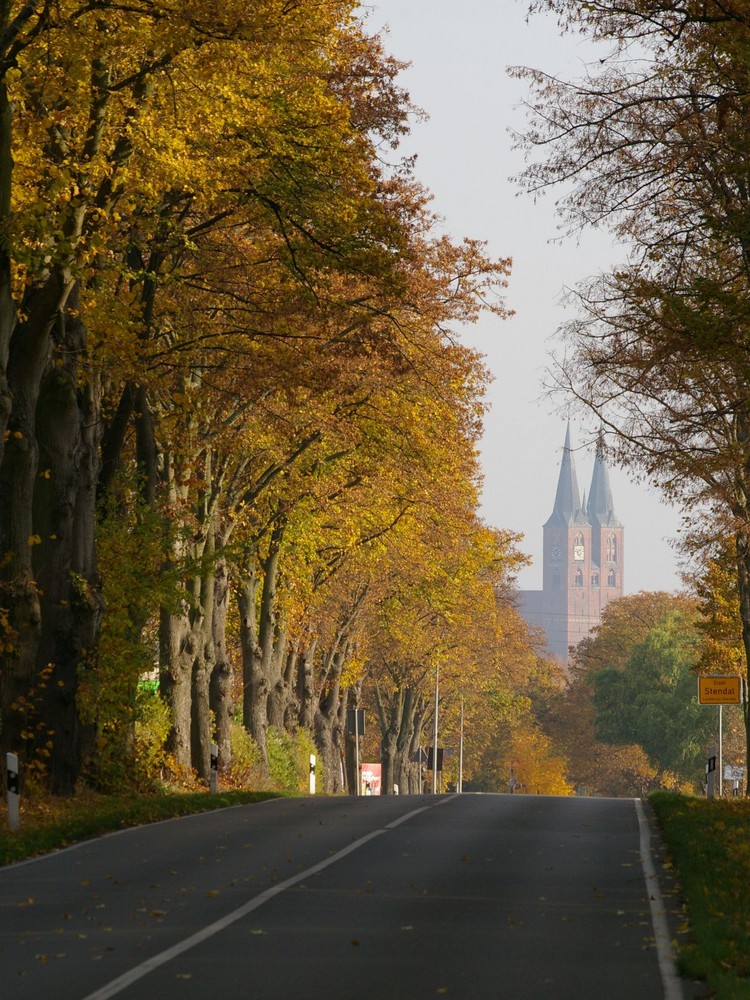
(14, 792)
(435, 750)
(312, 774)
(711, 772)
(213, 781)
(355, 724)
(718, 690)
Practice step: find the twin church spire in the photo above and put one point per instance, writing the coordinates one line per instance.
(582, 561)
(568, 508)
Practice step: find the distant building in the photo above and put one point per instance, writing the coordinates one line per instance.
(582, 559)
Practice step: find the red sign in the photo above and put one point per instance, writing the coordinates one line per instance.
(371, 775)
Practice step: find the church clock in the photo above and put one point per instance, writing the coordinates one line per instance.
(578, 553)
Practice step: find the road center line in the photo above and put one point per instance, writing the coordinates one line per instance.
(122, 982)
(670, 979)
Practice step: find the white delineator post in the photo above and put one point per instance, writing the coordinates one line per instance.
(312, 774)
(14, 789)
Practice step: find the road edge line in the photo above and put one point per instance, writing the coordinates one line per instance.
(665, 952)
(122, 982)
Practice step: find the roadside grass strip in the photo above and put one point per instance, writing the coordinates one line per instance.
(53, 825)
(708, 843)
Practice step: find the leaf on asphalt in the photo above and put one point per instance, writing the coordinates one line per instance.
(258, 930)
(212, 892)
(408, 927)
(184, 975)
(159, 913)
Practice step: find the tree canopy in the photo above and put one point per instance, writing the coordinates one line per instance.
(239, 429)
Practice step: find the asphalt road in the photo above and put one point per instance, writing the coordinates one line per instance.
(471, 897)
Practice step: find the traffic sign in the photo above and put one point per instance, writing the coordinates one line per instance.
(720, 690)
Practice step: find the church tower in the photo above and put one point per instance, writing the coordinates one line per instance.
(583, 556)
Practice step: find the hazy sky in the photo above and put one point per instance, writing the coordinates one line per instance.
(460, 53)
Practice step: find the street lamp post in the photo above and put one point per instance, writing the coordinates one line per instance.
(435, 731)
(460, 785)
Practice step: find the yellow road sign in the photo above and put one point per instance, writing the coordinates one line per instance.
(720, 690)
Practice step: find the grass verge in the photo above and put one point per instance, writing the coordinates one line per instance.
(709, 845)
(49, 827)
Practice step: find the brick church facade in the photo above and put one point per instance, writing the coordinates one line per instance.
(583, 558)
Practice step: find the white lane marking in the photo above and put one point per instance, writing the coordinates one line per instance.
(139, 971)
(670, 980)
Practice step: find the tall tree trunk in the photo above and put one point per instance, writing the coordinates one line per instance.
(28, 359)
(389, 716)
(8, 316)
(221, 674)
(47, 512)
(404, 740)
(176, 656)
(279, 694)
(65, 521)
(415, 766)
(260, 638)
(254, 684)
(201, 731)
(742, 545)
(306, 685)
(328, 722)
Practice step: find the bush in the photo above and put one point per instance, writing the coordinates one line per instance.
(289, 759)
(282, 765)
(152, 727)
(245, 769)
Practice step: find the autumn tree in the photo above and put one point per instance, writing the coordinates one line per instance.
(78, 103)
(508, 704)
(629, 719)
(175, 256)
(654, 144)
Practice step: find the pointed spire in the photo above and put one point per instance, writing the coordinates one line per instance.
(567, 509)
(601, 508)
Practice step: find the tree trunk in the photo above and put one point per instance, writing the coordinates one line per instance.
(306, 686)
(389, 716)
(742, 543)
(205, 586)
(65, 559)
(221, 675)
(279, 694)
(28, 359)
(328, 722)
(47, 509)
(414, 786)
(254, 684)
(176, 655)
(8, 315)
